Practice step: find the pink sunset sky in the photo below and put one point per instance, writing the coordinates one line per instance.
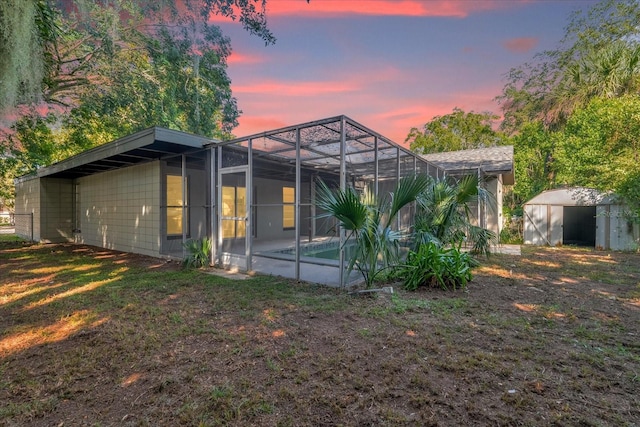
(390, 65)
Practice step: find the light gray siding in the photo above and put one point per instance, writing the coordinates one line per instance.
(120, 209)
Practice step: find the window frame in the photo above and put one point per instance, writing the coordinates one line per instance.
(288, 208)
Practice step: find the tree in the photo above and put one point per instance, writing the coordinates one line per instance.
(168, 81)
(42, 61)
(533, 151)
(599, 148)
(597, 57)
(111, 71)
(31, 145)
(456, 131)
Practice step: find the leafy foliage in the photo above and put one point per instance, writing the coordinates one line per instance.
(533, 151)
(442, 220)
(456, 131)
(21, 68)
(597, 57)
(433, 266)
(599, 148)
(199, 253)
(368, 221)
(443, 216)
(53, 48)
(110, 70)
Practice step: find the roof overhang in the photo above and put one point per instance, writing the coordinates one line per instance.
(490, 161)
(143, 146)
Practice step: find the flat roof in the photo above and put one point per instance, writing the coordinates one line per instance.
(143, 146)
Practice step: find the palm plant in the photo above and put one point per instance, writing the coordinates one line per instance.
(368, 221)
(199, 251)
(444, 213)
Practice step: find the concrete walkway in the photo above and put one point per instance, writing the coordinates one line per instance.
(507, 250)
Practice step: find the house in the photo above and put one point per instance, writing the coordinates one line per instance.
(494, 167)
(579, 216)
(254, 197)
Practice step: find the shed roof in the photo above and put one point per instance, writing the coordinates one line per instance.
(572, 196)
(490, 160)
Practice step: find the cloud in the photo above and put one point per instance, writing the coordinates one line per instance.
(243, 58)
(296, 89)
(415, 8)
(440, 8)
(521, 44)
(249, 125)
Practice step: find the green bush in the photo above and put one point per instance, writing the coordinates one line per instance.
(433, 266)
(199, 253)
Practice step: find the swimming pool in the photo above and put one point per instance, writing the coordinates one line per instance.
(321, 251)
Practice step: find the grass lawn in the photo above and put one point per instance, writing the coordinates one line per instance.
(96, 337)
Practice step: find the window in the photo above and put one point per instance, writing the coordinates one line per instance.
(175, 202)
(288, 208)
(234, 200)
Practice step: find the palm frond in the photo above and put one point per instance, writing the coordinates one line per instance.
(345, 206)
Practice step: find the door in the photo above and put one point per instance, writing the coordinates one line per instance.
(233, 211)
(579, 226)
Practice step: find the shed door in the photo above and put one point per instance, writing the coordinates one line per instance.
(579, 226)
(535, 230)
(555, 224)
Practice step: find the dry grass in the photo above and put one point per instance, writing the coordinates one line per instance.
(94, 337)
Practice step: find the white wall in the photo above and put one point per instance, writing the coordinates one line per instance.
(28, 202)
(56, 210)
(120, 210)
(268, 221)
(614, 230)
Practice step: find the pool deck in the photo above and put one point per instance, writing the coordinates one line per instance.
(270, 257)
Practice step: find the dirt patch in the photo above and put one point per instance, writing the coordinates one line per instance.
(547, 338)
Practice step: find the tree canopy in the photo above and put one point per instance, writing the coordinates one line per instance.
(456, 131)
(80, 73)
(573, 112)
(50, 48)
(598, 57)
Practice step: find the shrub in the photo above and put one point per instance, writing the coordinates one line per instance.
(199, 253)
(433, 266)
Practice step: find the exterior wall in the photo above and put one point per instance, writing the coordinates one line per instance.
(493, 214)
(268, 219)
(543, 225)
(56, 210)
(614, 230)
(120, 209)
(28, 202)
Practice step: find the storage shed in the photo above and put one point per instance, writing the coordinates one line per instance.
(579, 216)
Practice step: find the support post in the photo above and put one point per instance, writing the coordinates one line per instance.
(375, 166)
(212, 205)
(297, 204)
(184, 204)
(249, 222)
(343, 186)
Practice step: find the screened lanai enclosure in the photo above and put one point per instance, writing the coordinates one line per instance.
(266, 210)
(254, 197)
